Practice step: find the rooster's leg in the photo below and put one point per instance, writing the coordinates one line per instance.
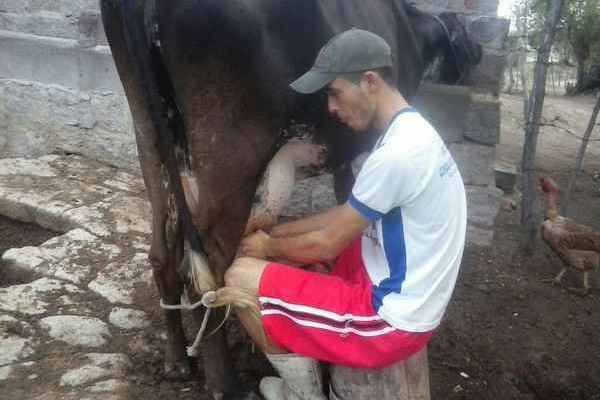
(586, 286)
(558, 279)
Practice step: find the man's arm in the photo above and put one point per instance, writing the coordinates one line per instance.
(305, 225)
(324, 244)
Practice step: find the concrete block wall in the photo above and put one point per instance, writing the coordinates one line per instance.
(59, 92)
(469, 122)
(483, 24)
(477, 115)
(59, 89)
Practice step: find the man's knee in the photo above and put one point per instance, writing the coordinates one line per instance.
(244, 273)
(232, 275)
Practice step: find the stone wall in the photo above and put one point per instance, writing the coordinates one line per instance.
(60, 93)
(59, 89)
(469, 117)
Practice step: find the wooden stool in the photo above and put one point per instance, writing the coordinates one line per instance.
(407, 380)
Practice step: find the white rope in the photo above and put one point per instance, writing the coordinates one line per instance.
(192, 350)
(207, 301)
(183, 306)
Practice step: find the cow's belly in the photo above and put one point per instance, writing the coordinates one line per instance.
(230, 139)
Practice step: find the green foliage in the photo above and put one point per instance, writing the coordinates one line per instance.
(578, 32)
(579, 26)
(582, 19)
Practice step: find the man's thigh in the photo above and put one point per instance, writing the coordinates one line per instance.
(330, 318)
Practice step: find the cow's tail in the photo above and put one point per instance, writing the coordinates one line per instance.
(159, 94)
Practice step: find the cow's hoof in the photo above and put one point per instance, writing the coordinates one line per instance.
(179, 371)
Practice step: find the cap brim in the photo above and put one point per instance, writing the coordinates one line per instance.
(312, 81)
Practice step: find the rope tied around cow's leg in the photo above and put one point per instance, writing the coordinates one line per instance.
(208, 300)
(224, 297)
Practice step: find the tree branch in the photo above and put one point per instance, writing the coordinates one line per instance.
(570, 132)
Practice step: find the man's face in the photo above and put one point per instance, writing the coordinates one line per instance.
(350, 104)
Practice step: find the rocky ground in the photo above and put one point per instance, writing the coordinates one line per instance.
(79, 314)
(68, 322)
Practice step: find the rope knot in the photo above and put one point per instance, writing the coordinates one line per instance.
(208, 299)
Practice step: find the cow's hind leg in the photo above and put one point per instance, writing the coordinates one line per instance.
(170, 288)
(164, 258)
(216, 362)
(166, 253)
(166, 250)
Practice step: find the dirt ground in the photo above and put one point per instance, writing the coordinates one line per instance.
(507, 334)
(514, 336)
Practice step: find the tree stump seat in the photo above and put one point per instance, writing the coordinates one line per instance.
(406, 380)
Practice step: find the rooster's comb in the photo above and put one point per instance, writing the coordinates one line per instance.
(548, 185)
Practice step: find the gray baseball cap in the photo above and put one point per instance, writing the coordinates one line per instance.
(347, 53)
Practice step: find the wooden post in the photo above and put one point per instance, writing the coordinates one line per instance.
(529, 214)
(407, 380)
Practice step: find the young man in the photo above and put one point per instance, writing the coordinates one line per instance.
(395, 246)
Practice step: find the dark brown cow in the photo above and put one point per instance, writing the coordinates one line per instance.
(207, 84)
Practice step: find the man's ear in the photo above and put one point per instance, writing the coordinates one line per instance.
(372, 81)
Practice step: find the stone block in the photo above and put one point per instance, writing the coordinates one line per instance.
(41, 24)
(432, 6)
(128, 319)
(490, 32)
(62, 257)
(446, 108)
(489, 7)
(131, 214)
(110, 385)
(57, 61)
(97, 367)
(506, 177)
(116, 282)
(34, 298)
(14, 348)
(37, 119)
(98, 71)
(487, 75)
(483, 121)
(63, 7)
(33, 58)
(76, 330)
(89, 28)
(458, 6)
(36, 168)
(440, 6)
(475, 162)
(483, 204)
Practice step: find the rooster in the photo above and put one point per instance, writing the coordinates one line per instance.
(578, 246)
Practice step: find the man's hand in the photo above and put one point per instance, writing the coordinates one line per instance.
(255, 245)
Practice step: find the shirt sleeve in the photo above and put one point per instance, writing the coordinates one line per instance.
(386, 181)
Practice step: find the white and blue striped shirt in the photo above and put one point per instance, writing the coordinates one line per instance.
(412, 191)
